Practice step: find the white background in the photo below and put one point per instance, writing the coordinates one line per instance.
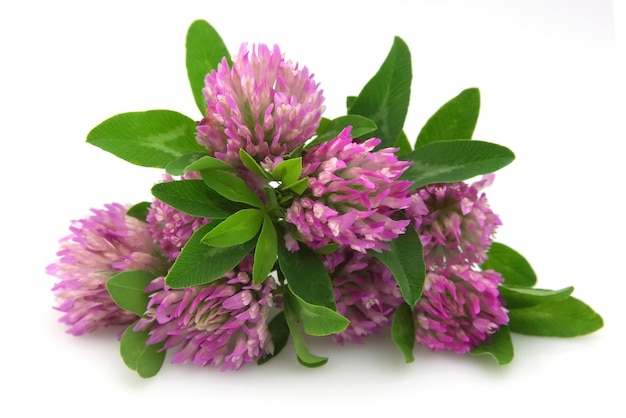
(551, 89)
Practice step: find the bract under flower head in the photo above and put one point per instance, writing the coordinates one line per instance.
(100, 246)
(263, 104)
(353, 195)
(460, 308)
(224, 323)
(455, 223)
(365, 292)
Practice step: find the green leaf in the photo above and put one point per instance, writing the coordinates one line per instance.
(385, 98)
(150, 139)
(288, 171)
(199, 264)
(253, 166)
(499, 346)
(279, 330)
(178, 167)
(403, 144)
(265, 252)
(522, 297)
(299, 186)
(350, 101)
(317, 320)
(405, 259)
(231, 187)
(145, 359)
(238, 228)
(306, 275)
(305, 357)
(139, 211)
(205, 49)
(565, 318)
(403, 331)
(513, 267)
(360, 126)
(206, 162)
(127, 289)
(194, 198)
(454, 160)
(454, 120)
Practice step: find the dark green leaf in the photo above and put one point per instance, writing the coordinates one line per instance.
(454, 160)
(403, 144)
(305, 357)
(306, 275)
(205, 50)
(511, 265)
(279, 331)
(206, 162)
(350, 101)
(405, 259)
(238, 228)
(499, 346)
(522, 297)
(195, 198)
(403, 331)
(265, 252)
(178, 167)
(139, 211)
(565, 318)
(231, 187)
(150, 139)
(127, 289)
(317, 320)
(360, 126)
(200, 264)
(385, 98)
(454, 120)
(145, 359)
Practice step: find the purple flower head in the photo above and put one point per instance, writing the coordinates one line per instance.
(98, 247)
(263, 104)
(459, 309)
(365, 292)
(171, 228)
(224, 323)
(353, 195)
(454, 221)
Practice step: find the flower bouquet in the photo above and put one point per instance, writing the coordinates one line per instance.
(272, 223)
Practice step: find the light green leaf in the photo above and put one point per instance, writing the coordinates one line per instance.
(231, 187)
(265, 252)
(522, 297)
(199, 264)
(403, 331)
(454, 120)
(305, 357)
(279, 330)
(385, 98)
(145, 359)
(288, 171)
(360, 126)
(194, 198)
(150, 139)
(317, 320)
(564, 318)
(513, 267)
(299, 186)
(238, 228)
(127, 289)
(454, 160)
(499, 346)
(405, 259)
(204, 51)
(139, 211)
(206, 162)
(253, 166)
(178, 167)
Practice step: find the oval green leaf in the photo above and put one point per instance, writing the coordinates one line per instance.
(513, 267)
(454, 160)
(522, 297)
(279, 330)
(499, 346)
(238, 228)
(454, 120)
(265, 252)
(403, 331)
(178, 167)
(150, 139)
(231, 187)
(127, 289)
(145, 359)
(316, 320)
(305, 357)
(360, 126)
(139, 211)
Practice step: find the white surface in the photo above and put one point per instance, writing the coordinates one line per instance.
(551, 91)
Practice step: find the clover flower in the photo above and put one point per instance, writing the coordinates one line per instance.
(98, 247)
(459, 309)
(224, 323)
(263, 104)
(169, 227)
(353, 195)
(455, 223)
(365, 292)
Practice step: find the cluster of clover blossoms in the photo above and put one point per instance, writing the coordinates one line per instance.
(271, 220)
